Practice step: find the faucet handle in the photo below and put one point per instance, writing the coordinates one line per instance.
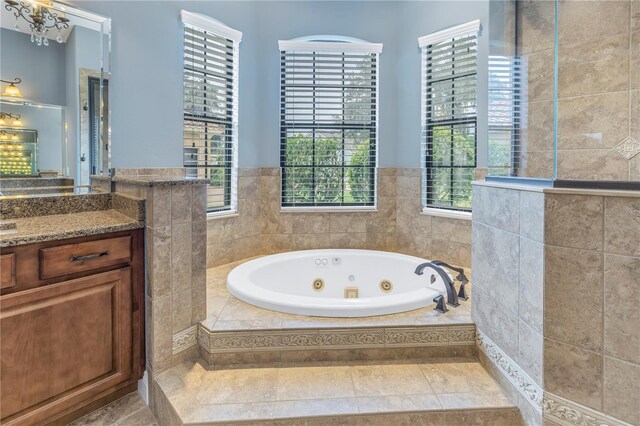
(462, 293)
(440, 305)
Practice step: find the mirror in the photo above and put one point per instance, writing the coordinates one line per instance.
(54, 107)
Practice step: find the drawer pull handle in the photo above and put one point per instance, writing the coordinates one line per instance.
(88, 257)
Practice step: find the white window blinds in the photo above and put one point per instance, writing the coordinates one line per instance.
(328, 125)
(507, 114)
(449, 116)
(211, 107)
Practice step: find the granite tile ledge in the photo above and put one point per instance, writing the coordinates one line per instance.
(156, 181)
(52, 204)
(57, 227)
(129, 206)
(15, 183)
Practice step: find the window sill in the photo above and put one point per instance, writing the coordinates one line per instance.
(450, 214)
(222, 215)
(328, 209)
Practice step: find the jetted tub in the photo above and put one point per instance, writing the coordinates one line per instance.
(336, 283)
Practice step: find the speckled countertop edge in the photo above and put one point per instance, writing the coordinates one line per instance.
(72, 225)
(159, 180)
(22, 206)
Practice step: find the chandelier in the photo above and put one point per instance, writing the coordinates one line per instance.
(40, 18)
(10, 119)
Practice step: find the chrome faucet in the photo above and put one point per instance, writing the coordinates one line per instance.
(452, 297)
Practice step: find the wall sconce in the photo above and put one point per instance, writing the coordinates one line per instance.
(12, 90)
(10, 119)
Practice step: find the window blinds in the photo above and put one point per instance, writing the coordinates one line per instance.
(328, 127)
(211, 107)
(449, 116)
(507, 114)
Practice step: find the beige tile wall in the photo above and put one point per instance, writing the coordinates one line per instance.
(508, 282)
(175, 245)
(428, 236)
(285, 231)
(598, 87)
(231, 238)
(592, 302)
(556, 288)
(261, 227)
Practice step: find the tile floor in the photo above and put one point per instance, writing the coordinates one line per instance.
(130, 410)
(225, 312)
(199, 395)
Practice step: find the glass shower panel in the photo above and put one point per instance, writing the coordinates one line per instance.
(521, 89)
(564, 90)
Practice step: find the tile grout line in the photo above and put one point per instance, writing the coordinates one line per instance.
(119, 422)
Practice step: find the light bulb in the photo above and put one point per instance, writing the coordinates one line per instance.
(17, 123)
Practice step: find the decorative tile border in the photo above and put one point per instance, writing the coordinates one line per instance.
(185, 339)
(511, 370)
(297, 339)
(569, 413)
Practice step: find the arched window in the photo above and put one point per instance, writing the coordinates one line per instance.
(328, 124)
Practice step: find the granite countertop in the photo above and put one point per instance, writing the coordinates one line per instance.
(156, 180)
(56, 227)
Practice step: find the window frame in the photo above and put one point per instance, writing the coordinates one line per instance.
(228, 121)
(429, 123)
(337, 45)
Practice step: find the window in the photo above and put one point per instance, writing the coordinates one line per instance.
(210, 124)
(328, 125)
(507, 112)
(449, 116)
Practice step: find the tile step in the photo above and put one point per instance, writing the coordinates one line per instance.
(276, 346)
(445, 393)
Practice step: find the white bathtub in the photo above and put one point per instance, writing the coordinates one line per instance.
(285, 283)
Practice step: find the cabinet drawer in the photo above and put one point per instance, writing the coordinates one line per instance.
(7, 270)
(72, 258)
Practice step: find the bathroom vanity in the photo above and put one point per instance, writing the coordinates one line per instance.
(71, 310)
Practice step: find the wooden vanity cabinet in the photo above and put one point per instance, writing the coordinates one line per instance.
(71, 326)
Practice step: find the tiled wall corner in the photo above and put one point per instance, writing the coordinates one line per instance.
(570, 326)
(238, 236)
(423, 235)
(592, 244)
(261, 227)
(507, 261)
(175, 245)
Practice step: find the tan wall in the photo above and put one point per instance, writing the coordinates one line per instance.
(592, 302)
(237, 237)
(175, 253)
(556, 289)
(262, 228)
(599, 82)
(427, 236)
(285, 231)
(508, 278)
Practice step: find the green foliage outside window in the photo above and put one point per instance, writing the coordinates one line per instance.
(332, 183)
(452, 145)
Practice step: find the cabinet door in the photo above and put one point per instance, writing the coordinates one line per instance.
(63, 343)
